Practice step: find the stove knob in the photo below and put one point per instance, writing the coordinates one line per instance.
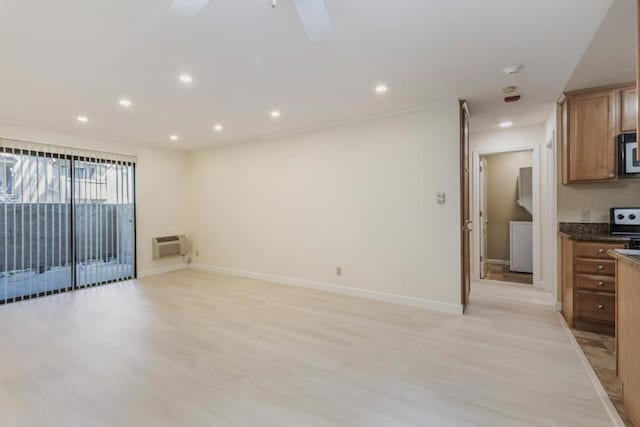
(620, 217)
(632, 217)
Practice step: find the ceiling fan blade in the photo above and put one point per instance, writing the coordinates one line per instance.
(315, 18)
(188, 7)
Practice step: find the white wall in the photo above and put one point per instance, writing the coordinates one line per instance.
(596, 198)
(360, 196)
(508, 139)
(161, 183)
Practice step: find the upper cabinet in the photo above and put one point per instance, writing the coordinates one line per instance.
(629, 109)
(591, 121)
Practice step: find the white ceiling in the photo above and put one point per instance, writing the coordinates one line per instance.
(62, 58)
(611, 55)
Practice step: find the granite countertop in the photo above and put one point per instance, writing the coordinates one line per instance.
(632, 256)
(589, 232)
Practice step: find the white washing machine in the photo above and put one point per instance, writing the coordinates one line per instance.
(521, 246)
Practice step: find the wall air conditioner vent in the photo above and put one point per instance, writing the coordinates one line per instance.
(169, 246)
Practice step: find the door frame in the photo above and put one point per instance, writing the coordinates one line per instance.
(537, 211)
(482, 203)
(466, 217)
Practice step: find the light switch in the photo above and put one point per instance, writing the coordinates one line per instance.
(441, 198)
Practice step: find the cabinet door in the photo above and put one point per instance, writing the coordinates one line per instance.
(629, 112)
(592, 125)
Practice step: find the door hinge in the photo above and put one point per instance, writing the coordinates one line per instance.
(481, 169)
(481, 213)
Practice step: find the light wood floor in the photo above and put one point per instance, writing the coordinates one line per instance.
(196, 349)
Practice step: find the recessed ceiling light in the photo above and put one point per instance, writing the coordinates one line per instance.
(512, 69)
(173, 137)
(275, 114)
(82, 119)
(124, 102)
(506, 124)
(381, 88)
(185, 78)
(218, 127)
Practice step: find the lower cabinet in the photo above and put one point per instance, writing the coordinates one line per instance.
(596, 306)
(588, 285)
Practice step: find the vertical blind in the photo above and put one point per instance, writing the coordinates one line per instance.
(67, 219)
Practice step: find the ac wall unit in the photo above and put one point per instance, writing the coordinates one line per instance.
(169, 246)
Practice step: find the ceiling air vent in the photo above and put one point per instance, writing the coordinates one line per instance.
(169, 246)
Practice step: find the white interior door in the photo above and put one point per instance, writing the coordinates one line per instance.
(483, 217)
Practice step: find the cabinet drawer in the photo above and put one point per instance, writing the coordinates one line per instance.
(595, 249)
(596, 283)
(599, 267)
(596, 306)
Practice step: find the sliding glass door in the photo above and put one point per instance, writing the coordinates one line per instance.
(35, 221)
(66, 222)
(104, 221)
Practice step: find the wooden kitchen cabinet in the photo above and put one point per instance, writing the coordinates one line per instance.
(628, 109)
(590, 123)
(591, 126)
(588, 285)
(628, 334)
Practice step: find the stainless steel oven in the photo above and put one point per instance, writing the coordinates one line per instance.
(628, 163)
(625, 222)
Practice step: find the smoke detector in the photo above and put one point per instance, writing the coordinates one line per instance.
(512, 69)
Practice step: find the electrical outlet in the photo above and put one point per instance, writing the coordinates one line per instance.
(338, 271)
(585, 216)
(441, 197)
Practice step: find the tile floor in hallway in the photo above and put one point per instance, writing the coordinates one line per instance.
(600, 350)
(501, 273)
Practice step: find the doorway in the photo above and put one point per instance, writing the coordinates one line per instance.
(506, 216)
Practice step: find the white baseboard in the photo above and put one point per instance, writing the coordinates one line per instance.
(161, 270)
(602, 393)
(498, 261)
(344, 290)
(542, 285)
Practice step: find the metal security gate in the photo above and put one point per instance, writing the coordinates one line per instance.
(67, 220)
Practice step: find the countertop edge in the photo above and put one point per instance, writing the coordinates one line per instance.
(594, 237)
(629, 259)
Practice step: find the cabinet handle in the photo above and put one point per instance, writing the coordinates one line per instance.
(601, 267)
(600, 251)
(600, 306)
(600, 283)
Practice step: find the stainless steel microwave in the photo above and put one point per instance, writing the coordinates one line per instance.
(628, 163)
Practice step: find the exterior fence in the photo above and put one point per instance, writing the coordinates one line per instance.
(37, 236)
